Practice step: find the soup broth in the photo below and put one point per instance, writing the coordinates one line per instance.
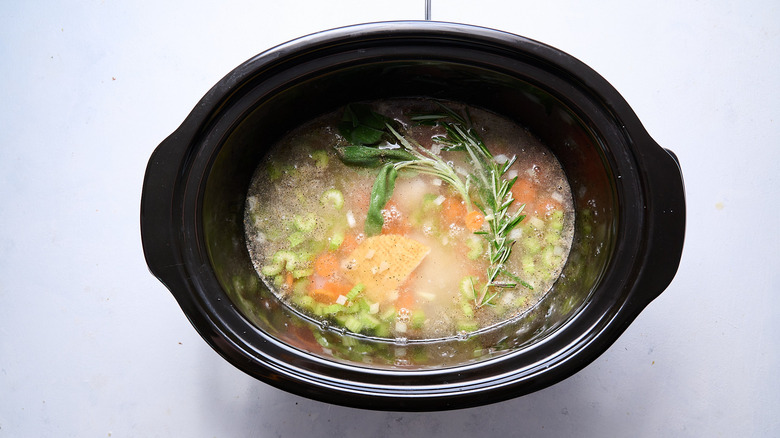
(409, 219)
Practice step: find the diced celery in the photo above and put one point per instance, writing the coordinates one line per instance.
(531, 245)
(336, 240)
(352, 308)
(332, 197)
(467, 310)
(549, 258)
(467, 326)
(382, 330)
(305, 255)
(364, 305)
(304, 301)
(286, 259)
(467, 287)
(528, 265)
(355, 291)
(318, 309)
(428, 203)
(274, 234)
(274, 172)
(552, 237)
(300, 273)
(353, 324)
(349, 341)
(388, 315)
(305, 223)
(474, 244)
(418, 318)
(536, 222)
(369, 321)
(587, 229)
(300, 286)
(556, 220)
(320, 159)
(296, 238)
(271, 270)
(520, 301)
(332, 309)
(321, 339)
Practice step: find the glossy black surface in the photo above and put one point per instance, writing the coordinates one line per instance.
(629, 201)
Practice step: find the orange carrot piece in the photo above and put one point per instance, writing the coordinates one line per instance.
(405, 299)
(453, 211)
(324, 296)
(546, 206)
(395, 221)
(288, 280)
(330, 291)
(349, 244)
(474, 220)
(524, 191)
(326, 264)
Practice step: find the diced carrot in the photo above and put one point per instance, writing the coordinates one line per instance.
(405, 299)
(324, 296)
(546, 206)
(395, 221)
(474, 220)
(330, 291)
(288, 281)
(349, 244)
(326, 264)
(524, 191)
(453, 211)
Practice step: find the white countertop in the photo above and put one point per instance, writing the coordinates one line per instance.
(91, 345)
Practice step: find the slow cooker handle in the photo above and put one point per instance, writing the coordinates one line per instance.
(158, 223)
(666, 222)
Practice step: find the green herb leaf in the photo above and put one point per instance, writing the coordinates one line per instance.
(380, 194)
(364, 156)
(362, 126)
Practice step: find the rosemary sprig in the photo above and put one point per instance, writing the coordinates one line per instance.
(495, 193)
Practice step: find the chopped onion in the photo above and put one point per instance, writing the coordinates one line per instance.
(351, 219)
(500, 158)
(516, 233)
(536, 222)
(557, 196)
(439, 200)
(370, 253)
(373, 308)
(400, 327)
(512, 174)
(341, 300)
(427, 296)
(507, 298)
(436, 182)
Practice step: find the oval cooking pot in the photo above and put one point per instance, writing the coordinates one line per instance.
(629, 220)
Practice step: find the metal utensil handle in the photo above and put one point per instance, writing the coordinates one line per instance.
(427, 10)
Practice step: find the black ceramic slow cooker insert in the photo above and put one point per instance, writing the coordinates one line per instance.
(629, 220)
